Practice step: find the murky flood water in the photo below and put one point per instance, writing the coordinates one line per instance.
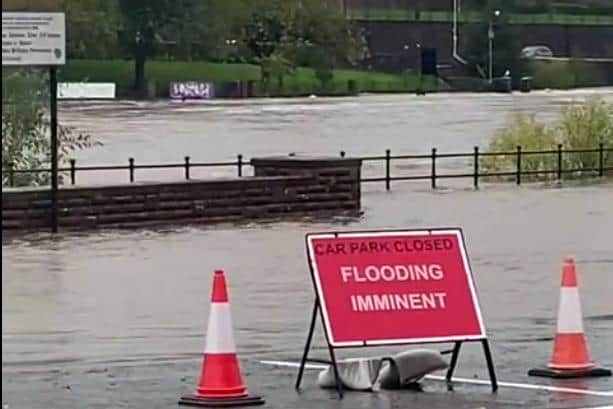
(163, 132)
(117, 319)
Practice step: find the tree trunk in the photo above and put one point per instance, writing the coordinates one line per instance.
(139, 74)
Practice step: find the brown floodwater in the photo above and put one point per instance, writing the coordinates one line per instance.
(117, 319)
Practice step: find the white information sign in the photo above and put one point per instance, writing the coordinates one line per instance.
(86, 90)
(33, 38)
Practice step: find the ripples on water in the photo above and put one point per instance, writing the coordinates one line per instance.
(161, 131)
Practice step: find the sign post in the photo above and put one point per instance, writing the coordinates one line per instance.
(396, 287)
(38, 39)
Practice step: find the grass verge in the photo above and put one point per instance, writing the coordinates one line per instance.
(301, 81)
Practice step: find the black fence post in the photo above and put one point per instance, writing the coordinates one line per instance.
(342, 154)
(187, 168)
(518, 172)
(433, 176)
(73, 171)
(601, 159)
(559, 162)
(240, 165)
(131, 168)
(476, 164)
(387, 169)
(11, 175)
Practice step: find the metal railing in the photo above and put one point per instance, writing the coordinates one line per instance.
(476, 174)
(132, 166)
(434, 161)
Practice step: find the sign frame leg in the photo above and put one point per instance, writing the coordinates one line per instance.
(307, 346)
(490, 364)
(452, 364)
(339, 383)
(488, 359)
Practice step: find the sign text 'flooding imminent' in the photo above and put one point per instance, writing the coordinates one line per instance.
(394, 287)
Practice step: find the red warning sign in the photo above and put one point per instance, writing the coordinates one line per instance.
(394, 287)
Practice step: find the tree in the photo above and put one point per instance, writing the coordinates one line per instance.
(266, 29)
(306, 32)
(321, 27)
(142, 22)
(184, 29)
(24, 141)
(25, 128)
(91, 27)
(275, 66)
(207, 30)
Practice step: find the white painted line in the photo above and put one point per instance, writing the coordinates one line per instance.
(599, 407)
(474, 381)
(526, 386)
(294, 364)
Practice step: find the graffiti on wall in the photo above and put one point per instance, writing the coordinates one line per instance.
(191, 90)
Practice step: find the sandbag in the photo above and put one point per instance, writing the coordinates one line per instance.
(357, 374)
(408, 367)
(402, 370)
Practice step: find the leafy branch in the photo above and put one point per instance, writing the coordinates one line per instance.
(26, 127)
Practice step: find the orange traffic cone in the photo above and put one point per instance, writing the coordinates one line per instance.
(221, 383)
(571, 358)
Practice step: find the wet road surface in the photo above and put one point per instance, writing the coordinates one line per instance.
(117, 319)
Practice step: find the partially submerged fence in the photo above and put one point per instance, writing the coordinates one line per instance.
(281, 187)
(519, 166)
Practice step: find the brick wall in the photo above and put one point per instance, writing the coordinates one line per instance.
(281, 187)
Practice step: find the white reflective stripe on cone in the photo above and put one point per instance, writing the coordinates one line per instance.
(570, 319)
(219, 334)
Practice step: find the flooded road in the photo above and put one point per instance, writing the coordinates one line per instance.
(165, 132)
(117, 319)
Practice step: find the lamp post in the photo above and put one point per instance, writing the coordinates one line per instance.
(490, 36)
(457, 6)
(420, 67)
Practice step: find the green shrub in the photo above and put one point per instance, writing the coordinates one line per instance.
(585, 126)
(525, 131)
(324, 76)
(581, 126)
(25, 142)
(566, 74)
(554, 75)
(26, 129)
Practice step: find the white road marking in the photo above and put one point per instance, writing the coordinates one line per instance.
(294, 364)
(599, 407)
(475, 381)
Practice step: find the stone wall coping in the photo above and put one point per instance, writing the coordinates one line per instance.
(221, 180)
(305, 161)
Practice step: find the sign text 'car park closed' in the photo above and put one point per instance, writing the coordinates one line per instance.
(394, 287)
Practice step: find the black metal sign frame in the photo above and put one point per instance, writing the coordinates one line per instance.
(317, 310)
